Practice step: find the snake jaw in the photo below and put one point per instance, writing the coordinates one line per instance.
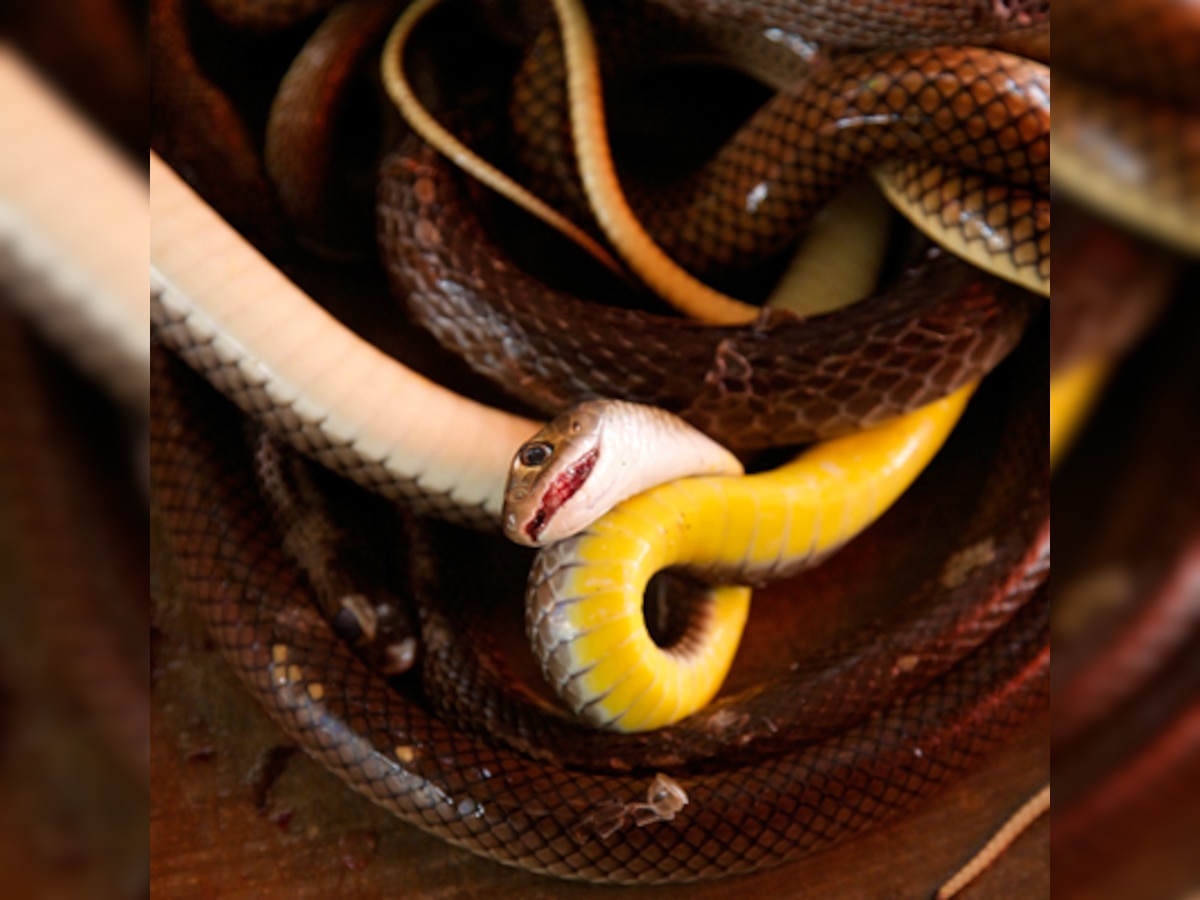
(538, 508)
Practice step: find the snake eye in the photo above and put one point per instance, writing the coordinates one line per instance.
(535, 454)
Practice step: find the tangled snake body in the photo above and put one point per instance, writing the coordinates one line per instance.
(476, 793)
(822, 780)
(784, 380)
(778, 380)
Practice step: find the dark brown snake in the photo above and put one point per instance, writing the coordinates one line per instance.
(819, 780)
(1126, 631)
(474, 792)
(780, 380)
(833, 116)
(784, 380)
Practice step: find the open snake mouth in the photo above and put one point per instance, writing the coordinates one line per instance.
(561, 489)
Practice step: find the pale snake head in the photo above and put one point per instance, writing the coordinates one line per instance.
(544, 500)
(593, 456)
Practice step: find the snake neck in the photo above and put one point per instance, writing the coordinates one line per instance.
(625, 449)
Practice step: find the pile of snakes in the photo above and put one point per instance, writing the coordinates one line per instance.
(334, 514)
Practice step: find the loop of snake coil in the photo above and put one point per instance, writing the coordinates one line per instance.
(518, 811)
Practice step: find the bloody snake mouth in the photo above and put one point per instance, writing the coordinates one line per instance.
(562, 489)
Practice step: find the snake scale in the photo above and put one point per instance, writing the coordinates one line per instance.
(823, 780)
(478, 794)
(783, 380)
(778, 380)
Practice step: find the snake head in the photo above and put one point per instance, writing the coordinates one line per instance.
(545, 499)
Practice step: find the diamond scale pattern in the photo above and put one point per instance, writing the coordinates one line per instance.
(480, 794)
(254, 396)
(782, 380)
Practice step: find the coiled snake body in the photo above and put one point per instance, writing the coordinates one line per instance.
(474, 792)
(470, 788)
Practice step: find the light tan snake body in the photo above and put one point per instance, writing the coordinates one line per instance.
(449, 780)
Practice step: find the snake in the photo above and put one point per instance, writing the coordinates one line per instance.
(1153, 762)
(846, 112)
(784, 380)
(585, 599)
(517, 811)
(73, 528)
(587, 629)
(173, 430)
(433, 269)
(479, 795)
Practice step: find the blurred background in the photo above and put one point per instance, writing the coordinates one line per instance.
(1126, 706)
(74, 318)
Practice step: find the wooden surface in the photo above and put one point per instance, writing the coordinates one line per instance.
(219, 827)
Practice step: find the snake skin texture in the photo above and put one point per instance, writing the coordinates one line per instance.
(1001, 554)
(985, 111)
(300, 427)
(1004, 547)
(980, 212)
(346, 574)
(876, 23)
(979, 108)
(427, 750)
(1149, 46)
(781, 380)
(977, 215)
(475, 793)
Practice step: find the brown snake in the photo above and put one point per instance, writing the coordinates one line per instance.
(774, 804)
(783, 380)
(833, 114)
(476, 793)
(778, 380)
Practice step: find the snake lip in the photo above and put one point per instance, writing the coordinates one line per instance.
(562, 489)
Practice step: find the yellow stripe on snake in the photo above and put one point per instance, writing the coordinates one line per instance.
(584, 610)
(585, 604)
